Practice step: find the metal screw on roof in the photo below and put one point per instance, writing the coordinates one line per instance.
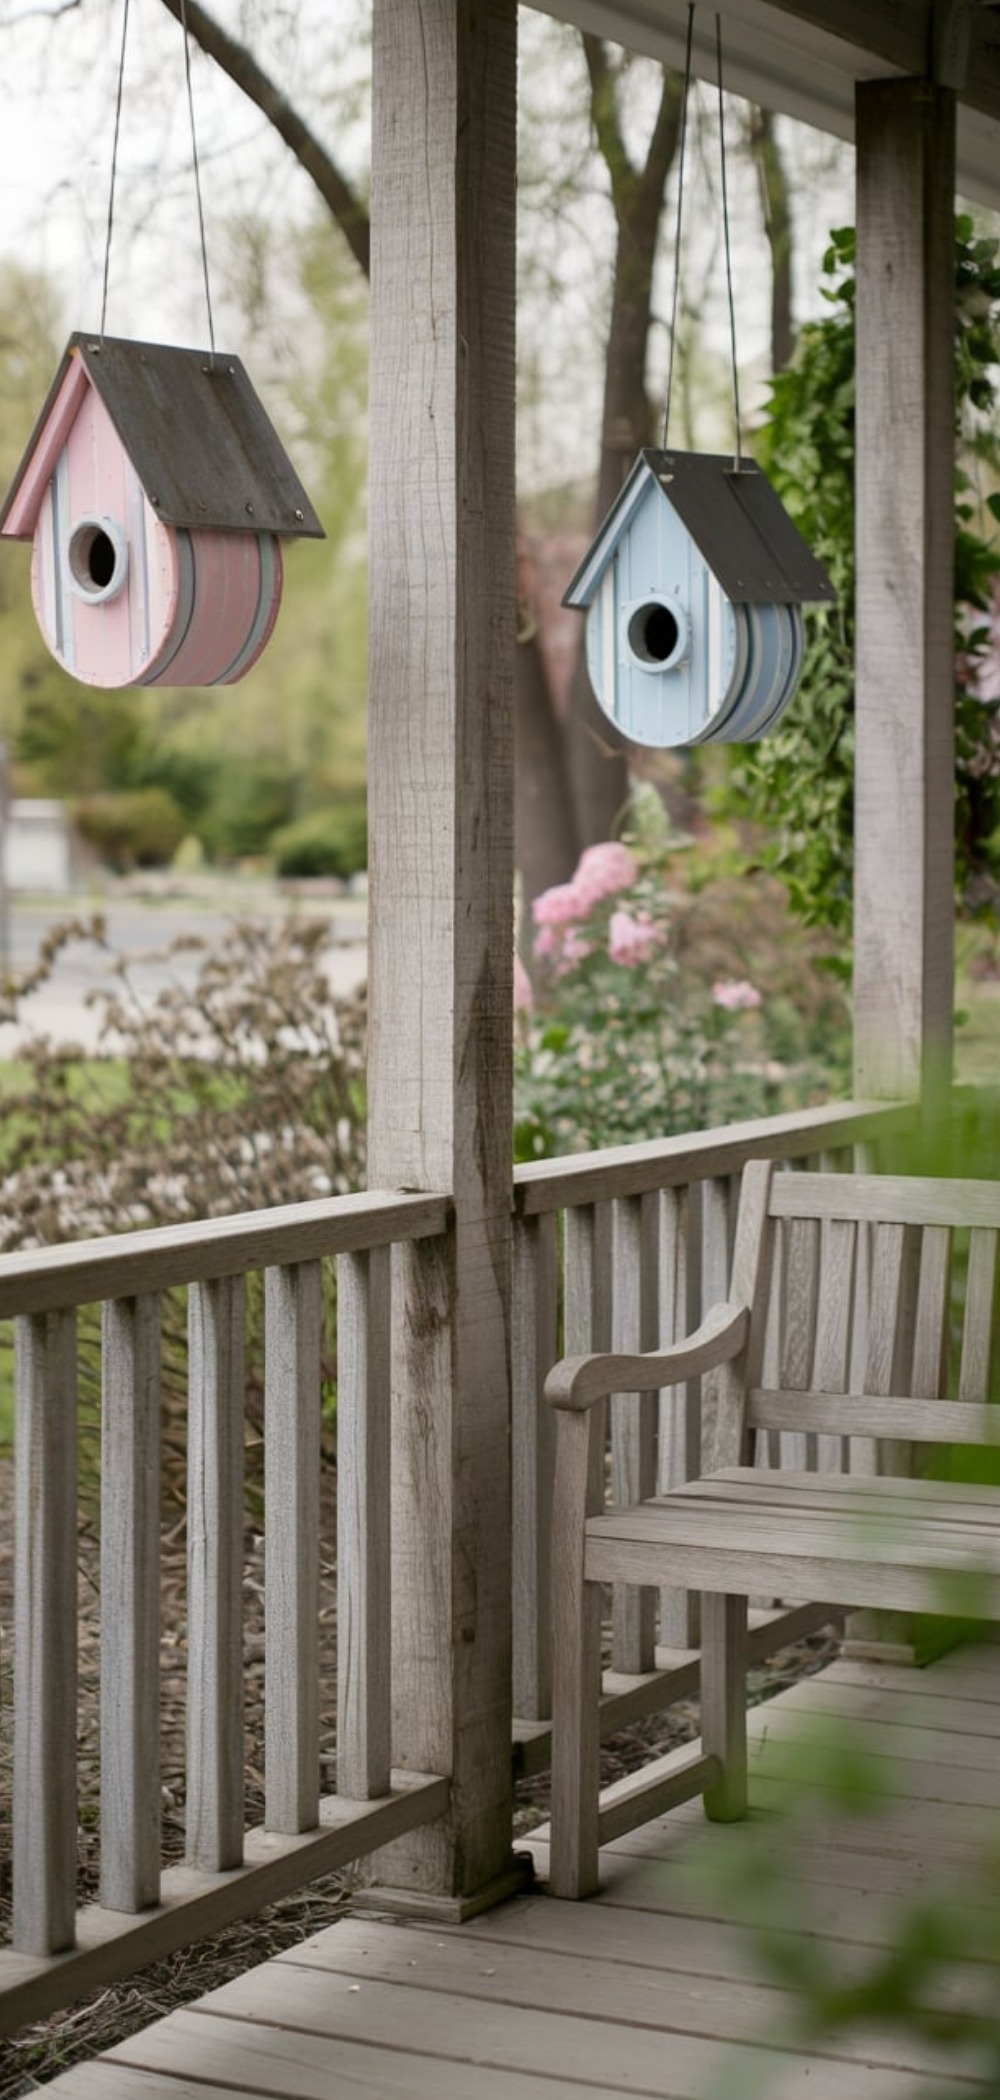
(250, 510)
(300, 514)
(155, 499)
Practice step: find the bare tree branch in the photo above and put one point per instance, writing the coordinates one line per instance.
(604, 115)
(242, 68)
(776, 205)
(46, 14)
(664, 141)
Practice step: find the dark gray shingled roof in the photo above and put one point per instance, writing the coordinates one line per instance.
(205, 451)
(738, 524)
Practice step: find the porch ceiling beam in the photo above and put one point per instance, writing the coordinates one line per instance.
(805, 57)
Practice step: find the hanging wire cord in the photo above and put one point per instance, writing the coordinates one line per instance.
(197, 180)
(678, 222)
(728, 244)
(114, 169)
(197, 174)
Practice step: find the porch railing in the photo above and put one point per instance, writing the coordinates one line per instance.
(615, 1249)
(143, 1913)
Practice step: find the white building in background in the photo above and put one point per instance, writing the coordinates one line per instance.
(35, 846)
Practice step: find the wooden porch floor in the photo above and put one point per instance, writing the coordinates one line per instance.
(651, 1988)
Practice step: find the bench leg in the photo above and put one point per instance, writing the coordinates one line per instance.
(576, 1694)
(724, 1702)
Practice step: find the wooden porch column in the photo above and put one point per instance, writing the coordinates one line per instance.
(442, 637)
(904, 824)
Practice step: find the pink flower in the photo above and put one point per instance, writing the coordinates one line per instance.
(572, 950)
(632, 940)
(736, 995)
(523, 995)
(559, 906)
(604, 870)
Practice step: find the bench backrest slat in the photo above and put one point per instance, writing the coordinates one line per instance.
(835, 1313)
(891, 1199)
(875, 1415)
(872, 1272)
(931, 1330)
(882, 1365)
(978, 1326)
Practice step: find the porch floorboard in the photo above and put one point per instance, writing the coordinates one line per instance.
(651, 1988)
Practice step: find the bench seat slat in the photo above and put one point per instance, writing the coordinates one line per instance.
(885, 1488)
(721, 1544)
(838, 1535)
(850, 1579)
(801, 1492)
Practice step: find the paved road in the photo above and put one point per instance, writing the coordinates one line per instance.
(134, 929)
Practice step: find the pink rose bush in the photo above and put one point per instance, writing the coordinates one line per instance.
(560, 906)
(635, 1032)
(620, 1044)
(736, 995)
(602, 872)
(632, 939)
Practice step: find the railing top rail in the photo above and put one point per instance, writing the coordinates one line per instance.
(126, 1265)
(635, 1170)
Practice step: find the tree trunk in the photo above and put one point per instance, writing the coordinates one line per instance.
(776, 204)
(545, 837)
(597, 754)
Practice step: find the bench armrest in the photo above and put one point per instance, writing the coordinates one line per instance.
(576, 1382)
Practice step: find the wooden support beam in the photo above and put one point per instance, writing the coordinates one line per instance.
(904, 823)
(442, 629)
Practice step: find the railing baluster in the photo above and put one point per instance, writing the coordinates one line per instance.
(534, 1350)
(293, 1317)
(633, 1428)
(44, 1859)
(130, 1604)
(364, 1623)
(215, 1574)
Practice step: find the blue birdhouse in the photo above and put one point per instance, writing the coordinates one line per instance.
(693, 590)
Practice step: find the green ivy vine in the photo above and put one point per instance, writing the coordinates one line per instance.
(799, 783)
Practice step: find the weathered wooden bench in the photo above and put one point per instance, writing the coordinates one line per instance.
(881, 1255)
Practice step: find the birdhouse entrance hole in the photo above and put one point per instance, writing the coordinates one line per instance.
(655, 635)
(98, 558)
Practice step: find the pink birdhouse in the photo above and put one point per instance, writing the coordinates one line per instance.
(156, 493)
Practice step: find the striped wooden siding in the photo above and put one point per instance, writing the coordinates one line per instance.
(183, 608)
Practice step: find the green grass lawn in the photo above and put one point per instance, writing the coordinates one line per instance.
(977, 1039)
